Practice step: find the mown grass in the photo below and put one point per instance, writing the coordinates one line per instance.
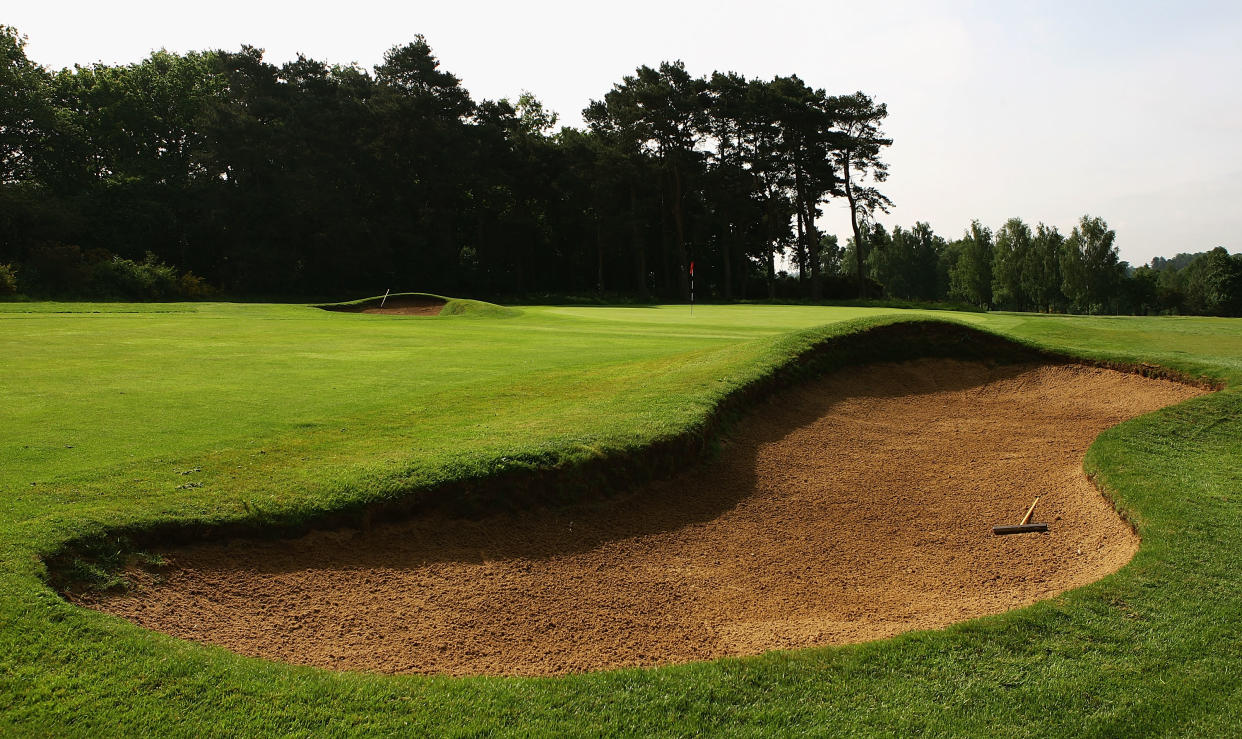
(288, 410)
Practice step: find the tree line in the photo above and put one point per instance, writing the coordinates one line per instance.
(1017, 267)
(310, 178)
(317, 179)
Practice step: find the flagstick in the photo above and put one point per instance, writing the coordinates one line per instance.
(385, 298)
(692, 288)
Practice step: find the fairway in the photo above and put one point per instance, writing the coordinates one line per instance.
(194, 418)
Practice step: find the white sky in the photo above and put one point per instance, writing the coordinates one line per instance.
(1044, 110)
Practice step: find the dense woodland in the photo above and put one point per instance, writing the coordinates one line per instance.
(217, 172)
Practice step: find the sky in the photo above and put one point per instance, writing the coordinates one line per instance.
(1131, 111)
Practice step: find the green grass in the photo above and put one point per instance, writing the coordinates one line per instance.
(109, 412)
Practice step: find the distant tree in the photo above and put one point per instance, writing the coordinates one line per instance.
(950, 254)
(971, 277)
(887, 260)
(664, 111)
(1090, 267)
(806, 118)
(1213, 284)
(1010, 255)
(1174, 263)
(24, 114)
(29, 214)
(1170, 288)
(928, 249)
(908, 264)
(535, 118)
(1040, 277)
(762, 148)
(413, 71)
(831, 254)
(857, 155)
(877, 236)
(521, 172)
(733, 190)
(1141, 291)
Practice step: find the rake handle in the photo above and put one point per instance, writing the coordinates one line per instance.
(1029, 511)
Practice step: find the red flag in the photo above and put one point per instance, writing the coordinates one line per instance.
(692, 268)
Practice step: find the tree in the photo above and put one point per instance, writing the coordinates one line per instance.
(858, 158)
(805, 120)
(1213, 284)
(971, 277)
(1090, 267)
(23, 111)
(831, 254)
(761, 146)
(662, 111)
(29, 214)
(874, 234)
(908, 265)
(732, 187)
(1142, 291)
(1010, 255)
(309, 178)
(413, 71)
(1040, 277)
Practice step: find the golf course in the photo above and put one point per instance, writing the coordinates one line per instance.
(192, 456)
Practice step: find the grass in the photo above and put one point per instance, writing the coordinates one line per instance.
(111, 411)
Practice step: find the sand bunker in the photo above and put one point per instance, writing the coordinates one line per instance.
(400, 305)
(851, 508)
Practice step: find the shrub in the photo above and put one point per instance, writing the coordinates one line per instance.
(149, 279)
(193, 287)
(8, 279)
(66, 271)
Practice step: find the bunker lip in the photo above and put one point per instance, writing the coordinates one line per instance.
(395, 305)
(848, 508)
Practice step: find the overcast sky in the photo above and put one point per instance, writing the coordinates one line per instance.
(1044, 110)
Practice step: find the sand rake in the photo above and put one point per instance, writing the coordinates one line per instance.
(1026, 527)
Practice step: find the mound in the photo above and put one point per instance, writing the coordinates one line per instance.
(422, 304)
(851, 508)
(412, 304)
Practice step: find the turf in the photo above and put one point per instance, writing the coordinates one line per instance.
(122, 415)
